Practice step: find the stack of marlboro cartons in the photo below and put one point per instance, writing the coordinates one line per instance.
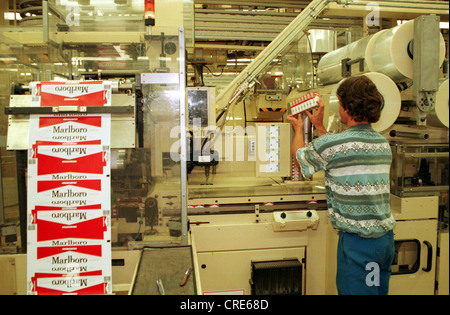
(295, 171)
(69, 207)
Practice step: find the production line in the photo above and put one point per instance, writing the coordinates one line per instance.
(202, 194)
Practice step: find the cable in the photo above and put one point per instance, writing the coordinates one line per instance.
(245, 118)
(139, 229)
(215, 75)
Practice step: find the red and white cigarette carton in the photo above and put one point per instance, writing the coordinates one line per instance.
(69, 128)
(75, 193)
(75, 283)
(88, 157)
(71, 93)
(306, 102)
(69, 259)
(50, 223)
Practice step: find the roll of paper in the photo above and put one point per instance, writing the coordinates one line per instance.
(329, 69)
(388, 51)
(439, 118)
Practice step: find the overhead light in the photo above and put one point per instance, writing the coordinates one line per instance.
(101, 58)
(10, 16)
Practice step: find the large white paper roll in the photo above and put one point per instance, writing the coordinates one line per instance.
(334, 118)
(385, 52)
(440, 118)
(389, 113)
(388, 52)
(392, 100)
(329, 69)
(442, 104)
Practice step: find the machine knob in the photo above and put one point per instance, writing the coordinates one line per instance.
(309, 214)
(283, 215)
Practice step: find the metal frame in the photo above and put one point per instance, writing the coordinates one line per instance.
(69, 110)
(46, 9)
(182, 69)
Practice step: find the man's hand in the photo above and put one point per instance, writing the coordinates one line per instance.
(296, 121)
(317, 118)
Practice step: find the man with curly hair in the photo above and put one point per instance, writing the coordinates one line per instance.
(356, 164)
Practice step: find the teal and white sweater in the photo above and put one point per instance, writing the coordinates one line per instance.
(356, 163)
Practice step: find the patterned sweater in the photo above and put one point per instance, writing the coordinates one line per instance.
(356, 163)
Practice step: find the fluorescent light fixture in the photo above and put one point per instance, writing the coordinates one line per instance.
(10, 16)
(8, 59)
(101, 58)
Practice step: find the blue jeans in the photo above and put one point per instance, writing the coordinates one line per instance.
(364, 264)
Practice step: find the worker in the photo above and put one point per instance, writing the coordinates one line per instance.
(356, 164)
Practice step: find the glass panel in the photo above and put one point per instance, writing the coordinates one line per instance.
(147, 185)
(24, 58)
(298, 65)
(188, 22)
(146, 180)
(99, 15)
(420, 169)
(236, 146)
(9, 203)
(407, 257)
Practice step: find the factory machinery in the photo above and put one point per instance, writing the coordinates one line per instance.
(206, 178)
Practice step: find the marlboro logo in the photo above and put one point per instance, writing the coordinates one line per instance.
(69, 151)
(79, 94)
(77, 283)
(69, 129)
(71, 89)
(65, 216)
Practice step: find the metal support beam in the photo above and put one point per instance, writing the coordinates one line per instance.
(426, 65)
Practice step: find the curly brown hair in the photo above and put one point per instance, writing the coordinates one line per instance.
(360, 97)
